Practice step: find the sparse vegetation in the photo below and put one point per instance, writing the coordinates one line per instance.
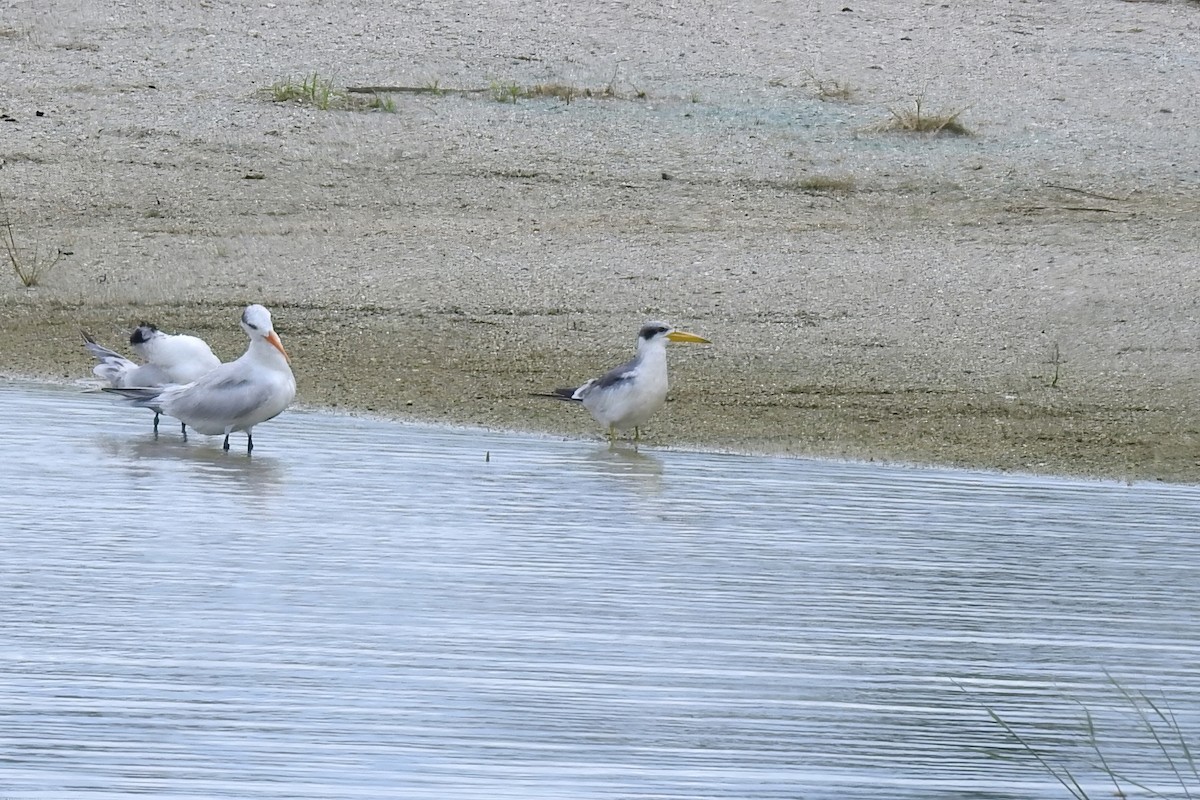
(1056, 361)
(319, 92)
(918, 120)
(312, 90)
(826, 184)
(505, 91)
(832, 88)
(561, 91)
(1154, 718)
(29, 265)
(824, 88)
(511, 92)
(382, 102)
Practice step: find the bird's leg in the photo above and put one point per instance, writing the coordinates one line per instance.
(249, 443)
(225, 446)
(155, 424)
(612, 433)
(637, 433)
(183, 430)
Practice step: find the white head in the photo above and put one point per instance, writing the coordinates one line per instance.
(659, 333)
(256, 322)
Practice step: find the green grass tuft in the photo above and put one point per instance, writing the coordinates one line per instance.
(382, 102)
(319, 92)
(312, 90)
(505, 91)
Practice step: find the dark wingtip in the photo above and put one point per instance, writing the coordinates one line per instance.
(87, 337)
(558, 394)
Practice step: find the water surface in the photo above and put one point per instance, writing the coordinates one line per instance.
(367, 609)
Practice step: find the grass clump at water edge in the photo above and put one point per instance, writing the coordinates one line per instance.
(1154, 718)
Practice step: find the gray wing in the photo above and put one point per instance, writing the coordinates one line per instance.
(614, 378)
(616, 375)
(141, 396)
(102, 353)
(211, 405)
(113, 366)
(119, 371)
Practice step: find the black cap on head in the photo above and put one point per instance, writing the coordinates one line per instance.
(652, 329)
(142, 333)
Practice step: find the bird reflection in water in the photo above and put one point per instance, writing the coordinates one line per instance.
(623, 462)
(150, 462)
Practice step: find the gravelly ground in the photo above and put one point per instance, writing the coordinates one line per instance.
(444, 260)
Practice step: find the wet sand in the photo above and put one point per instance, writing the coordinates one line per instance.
(1021, 299)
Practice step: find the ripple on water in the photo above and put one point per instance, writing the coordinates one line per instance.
(367, 609)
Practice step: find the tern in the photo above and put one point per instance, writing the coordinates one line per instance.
(629, 395)
(235, 396)
(170, 359)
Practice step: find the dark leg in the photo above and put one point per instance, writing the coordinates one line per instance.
(226, 445)
(249, 443)
(155, 424)
(183, 430)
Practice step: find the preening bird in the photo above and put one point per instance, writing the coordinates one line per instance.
(170, 359)
(629, 395)
(235, 396)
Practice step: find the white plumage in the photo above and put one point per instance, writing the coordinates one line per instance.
(236, 396)
(629, 395)
(170, 359)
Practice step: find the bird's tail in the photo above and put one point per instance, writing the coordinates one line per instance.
(561, 394)
(113, 366)
(143, 396)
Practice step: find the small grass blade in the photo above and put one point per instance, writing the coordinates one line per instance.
(1068, 782)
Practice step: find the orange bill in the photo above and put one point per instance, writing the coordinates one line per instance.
(273, 338)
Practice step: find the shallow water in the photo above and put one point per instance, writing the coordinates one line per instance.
(367, 609)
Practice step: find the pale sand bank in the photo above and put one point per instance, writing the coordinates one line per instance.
(443, 261)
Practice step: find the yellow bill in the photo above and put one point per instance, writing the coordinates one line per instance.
(684, 336)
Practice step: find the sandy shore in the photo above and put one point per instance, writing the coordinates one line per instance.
(1022, 299)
